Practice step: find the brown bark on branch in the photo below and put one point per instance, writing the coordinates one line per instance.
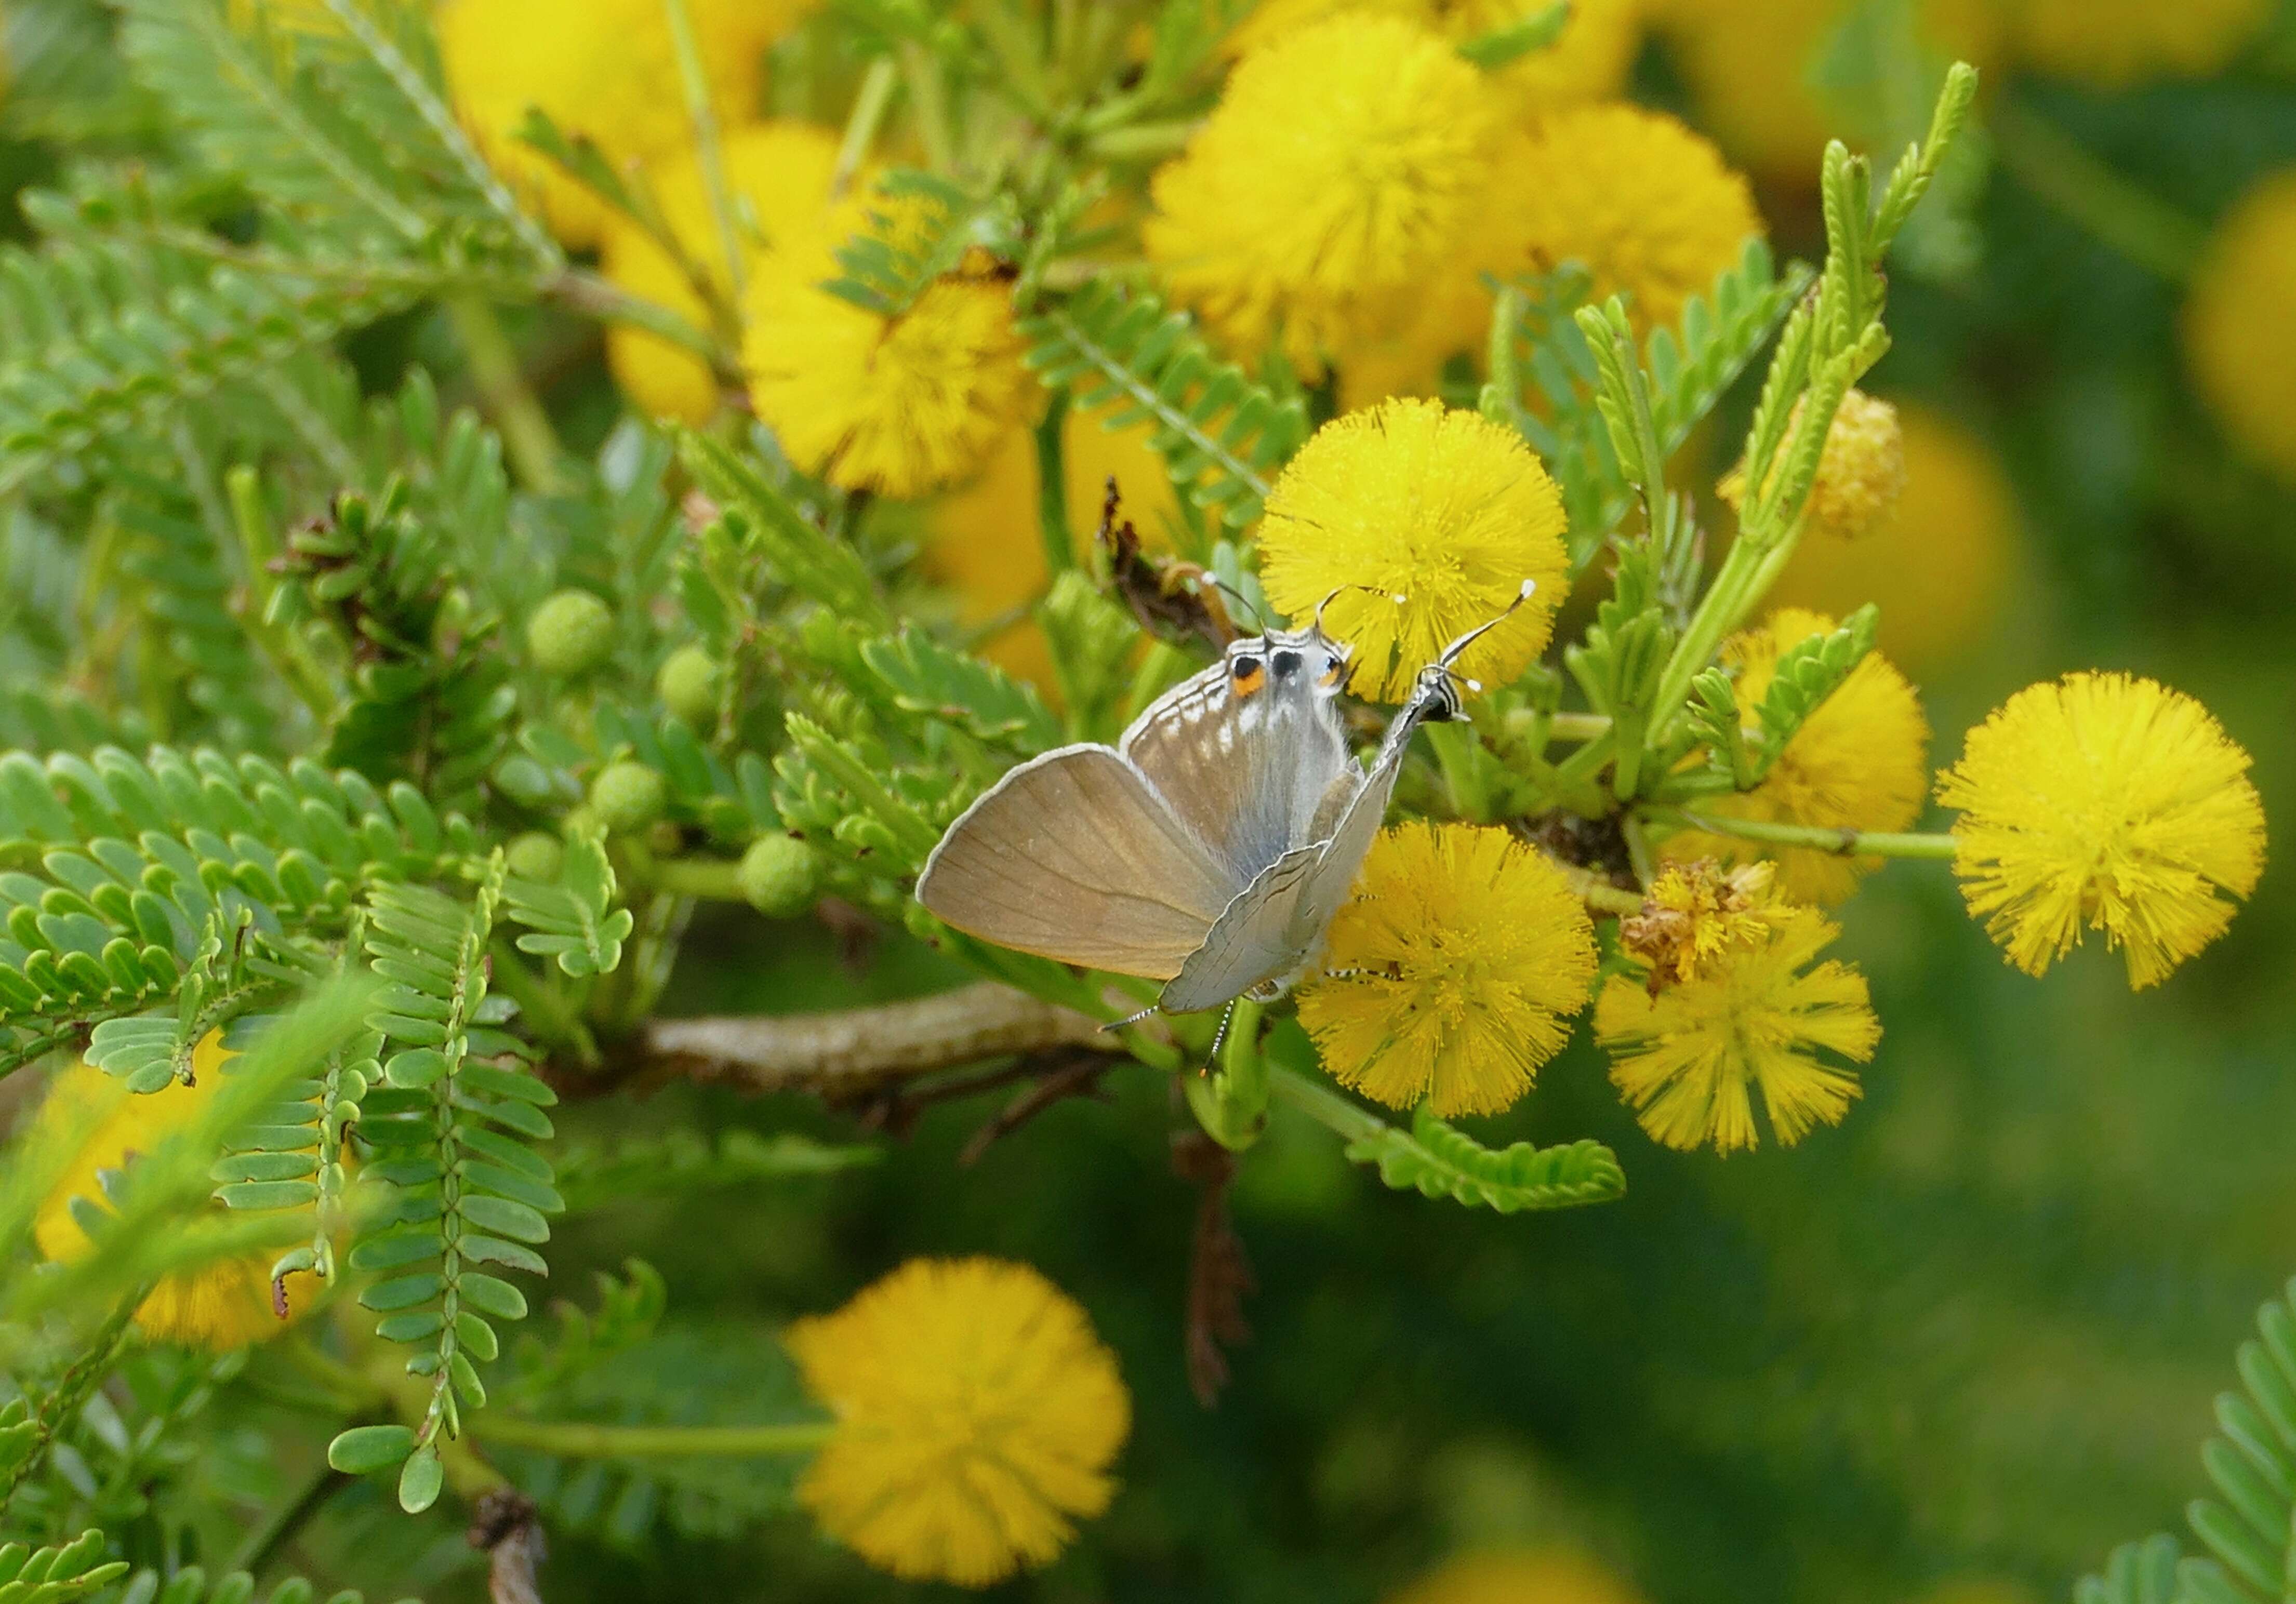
(841, 1055)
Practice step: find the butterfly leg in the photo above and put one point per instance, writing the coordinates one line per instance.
(1131, 1018)
(1220, 1038)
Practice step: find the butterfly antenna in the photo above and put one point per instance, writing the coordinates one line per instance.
(1114, 1024)
(1452, 653)
(1259, 621)
(1338, 591)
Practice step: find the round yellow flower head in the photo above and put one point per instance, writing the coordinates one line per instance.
(221, 1305)
(1698, 912)
(1860, 475)
(1339, 172)
(1442, 515)
(2107, 802)
(977, 1415)
(1588, 61)
(606, 68)
(1748, 63)
(1859, 761)
(1941, 561)
(900, 406)
(2239, 340)
(1556, 1575)
(779, 173)
(1454, 972)
(1690, 1058)
(2112, 44)
(981, 539)
(1647, 205)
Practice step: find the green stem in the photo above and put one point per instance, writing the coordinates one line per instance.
(1939, 845)
(82, 1377)
(1455, 747)
(1326, 1107)
(870, 103)
(929, 104)
(580, 1439)
(267, 1539)
(1577, 726)
(1232, 1106)
(258, 545)
(704, 115)
(1052, 487)
(718, 880)
(1140, 141)
(2085, 190)
(508, 400)
(1161, 666)
(1598, 893)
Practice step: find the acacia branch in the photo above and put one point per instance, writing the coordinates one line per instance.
(838, 1055)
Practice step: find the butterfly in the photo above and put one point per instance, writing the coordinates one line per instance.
(1210, 847)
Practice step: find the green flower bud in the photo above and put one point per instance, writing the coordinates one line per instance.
(779, 874)
(571, 634)
(536, 857)
(628, 796)
(688, 684)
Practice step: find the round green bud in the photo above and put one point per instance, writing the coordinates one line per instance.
(580, 820)
(571, 634)
(628, 796)
(778, 875)
(536, 857)
(687, 684)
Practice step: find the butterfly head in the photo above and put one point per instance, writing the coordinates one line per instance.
(1287, 662)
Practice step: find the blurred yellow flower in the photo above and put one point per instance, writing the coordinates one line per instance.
(983, 541)
(2107, 802)
(1647, 205)
(1339, 172)
(1443, 515)
(1860, 476)
(223, 1304)
(900, 406)
(1748, 65)
(1539, 1575)
(779, 175)
(1940, 564)
(1588, 61)
(1453, 974)
(1859, 761)
(1696, 913)
(605, 68)
(2112, 44)
(1690, 1059)
(977, 1416)
(2240, 341)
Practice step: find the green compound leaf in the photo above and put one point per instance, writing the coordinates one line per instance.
(1441, 1162)
(1809, 672)
(925, 676)
(2249, 1526)
(575, 919)
(2135, 1573)
(52, 1576)
(1222, 436)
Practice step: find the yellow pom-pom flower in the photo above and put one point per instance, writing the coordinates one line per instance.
(2112, 44)
(1588, 61)
(223, 1304)
(898, 404)
(977, 1416)
(1861, 473)
(1858, 762)
(1941, 562)
(1320, 226)
(1454, 972)
(1749, 66)
(1535, 1575)
(2109, 803)
(1646, 204)
(1442, 514)
(605, 68)
(779, 176)
(2240, 343)
(1691, 1058)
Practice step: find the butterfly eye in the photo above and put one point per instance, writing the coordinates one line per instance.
(1247, 674)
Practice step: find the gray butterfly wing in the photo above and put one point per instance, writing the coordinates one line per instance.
(1074, 855)
(1252, 941)
(1248, 774)
(1342, 856)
